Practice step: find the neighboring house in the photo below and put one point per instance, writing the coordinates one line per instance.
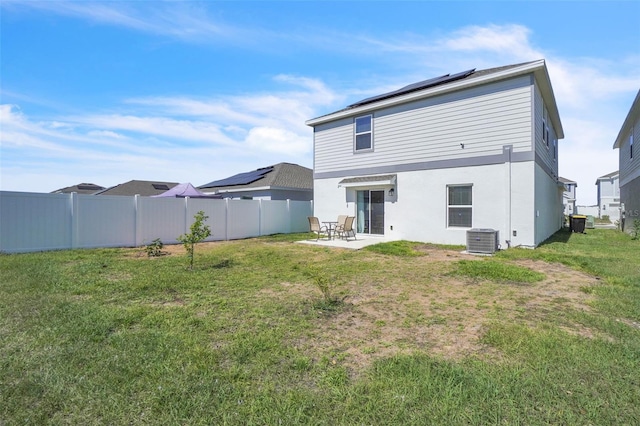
(609, 196)
(428, 162)
(629, 164)
(138, 187)
(568, 196)
(282, 181)
(81, 188)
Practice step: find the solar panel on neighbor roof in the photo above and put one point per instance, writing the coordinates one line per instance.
(415, 86)
(240, 178)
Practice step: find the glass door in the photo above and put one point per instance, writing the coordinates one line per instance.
(370, 212)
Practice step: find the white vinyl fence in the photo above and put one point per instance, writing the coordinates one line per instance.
(38, 222)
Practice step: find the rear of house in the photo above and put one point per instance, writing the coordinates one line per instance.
(477, 149)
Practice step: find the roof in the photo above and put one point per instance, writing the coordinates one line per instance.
(567, 181)
(278, 176)
(609, 175)
(369, 180)
(138, 187)
(81, 188)
(449, 83)
(634, 114)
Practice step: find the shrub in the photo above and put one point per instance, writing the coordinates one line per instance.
(154, 248)
(199, 231)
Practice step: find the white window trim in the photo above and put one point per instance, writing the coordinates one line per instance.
(631, 145)
(448, 206)
(355, 134)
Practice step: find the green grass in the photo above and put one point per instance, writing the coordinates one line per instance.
(109, 337)
(495, 270)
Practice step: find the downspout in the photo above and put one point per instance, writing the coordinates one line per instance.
(507, 150)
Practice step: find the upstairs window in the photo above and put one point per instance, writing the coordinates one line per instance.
(631, 145)
(363, 134)
(459, 206)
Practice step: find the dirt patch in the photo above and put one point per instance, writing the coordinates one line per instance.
(443, 315)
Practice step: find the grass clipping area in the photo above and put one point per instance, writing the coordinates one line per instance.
(266, 331)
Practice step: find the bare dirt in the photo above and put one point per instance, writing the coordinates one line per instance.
(433, 311)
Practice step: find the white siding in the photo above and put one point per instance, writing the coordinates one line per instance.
(630, 168)
(483, 118)
(544, 152)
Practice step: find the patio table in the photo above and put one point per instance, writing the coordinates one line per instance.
(331, 228)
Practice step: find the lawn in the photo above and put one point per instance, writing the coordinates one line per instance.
(266, 331)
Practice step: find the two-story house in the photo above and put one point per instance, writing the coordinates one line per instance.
(476, 149)
(568, 196)
(629, 165)
(609, 196)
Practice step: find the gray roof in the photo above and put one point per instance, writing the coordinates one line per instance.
(139, 187)
(567, 181)
(366, 179)
(81, 188)
(609, 175)
(283, 176)
(473, 75)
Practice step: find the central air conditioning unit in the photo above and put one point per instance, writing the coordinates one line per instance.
(485, 241)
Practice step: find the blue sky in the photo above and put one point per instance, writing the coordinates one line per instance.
(107, 92)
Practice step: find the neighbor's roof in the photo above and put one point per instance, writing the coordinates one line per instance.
(449, 83)
(81, 188)
(139, 187)
(608, 176)
(634, 114)
(278, 176)
(567, 181)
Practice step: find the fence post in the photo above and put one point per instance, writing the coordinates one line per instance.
(186, 215)
(226, 219)
(137, 220)
(260, 217)
(75, 238)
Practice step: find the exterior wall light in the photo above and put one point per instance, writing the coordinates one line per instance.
(392, 192)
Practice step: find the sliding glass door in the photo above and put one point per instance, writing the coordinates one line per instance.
(370, 218)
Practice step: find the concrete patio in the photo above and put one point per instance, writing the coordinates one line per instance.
(362, 241)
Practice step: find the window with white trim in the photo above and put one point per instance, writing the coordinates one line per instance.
(459, 206)
(363, 133)
(631, 145)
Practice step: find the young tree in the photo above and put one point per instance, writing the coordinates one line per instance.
(199, 231)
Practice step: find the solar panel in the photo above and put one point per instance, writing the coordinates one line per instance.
(415, 87)
(89, 187)
(160, 186)
(240, 179)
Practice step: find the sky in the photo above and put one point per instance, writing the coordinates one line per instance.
(183, 91)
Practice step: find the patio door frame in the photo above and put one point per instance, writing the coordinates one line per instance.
(370, 211)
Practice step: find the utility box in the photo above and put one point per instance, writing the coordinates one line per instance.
(482, 240)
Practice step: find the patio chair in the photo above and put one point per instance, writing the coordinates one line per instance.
(314, 226)
(341, 219)
(347, 229)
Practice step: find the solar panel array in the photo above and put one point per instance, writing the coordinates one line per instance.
(240, 178)
(447, 78)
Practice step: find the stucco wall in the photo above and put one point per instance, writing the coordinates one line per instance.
(418, 210)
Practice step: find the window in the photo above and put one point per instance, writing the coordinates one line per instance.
(459, 206)
(555, 148)
(363, 133)
(631, 145)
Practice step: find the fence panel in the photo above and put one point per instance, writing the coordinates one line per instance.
(163, 218)
(275, 217)
(300, 210)
(34, 222)
(243, 219)
(217, 212)
(105, 221)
